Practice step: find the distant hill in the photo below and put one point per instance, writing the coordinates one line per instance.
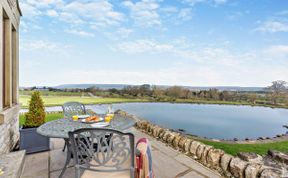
(121, 86)
(83, 86)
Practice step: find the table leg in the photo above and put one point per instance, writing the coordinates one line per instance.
(68, 157)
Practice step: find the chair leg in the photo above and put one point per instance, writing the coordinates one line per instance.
(64, 147)
(77, 172)
(68, 158)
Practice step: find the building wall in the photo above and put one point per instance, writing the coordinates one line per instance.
(9, 50)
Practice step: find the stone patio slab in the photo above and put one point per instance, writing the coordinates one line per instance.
(57, 160)
(36, 165)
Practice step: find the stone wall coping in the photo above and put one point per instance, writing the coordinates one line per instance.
(8, 113)
(12, 164)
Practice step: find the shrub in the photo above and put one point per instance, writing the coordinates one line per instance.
(36, 114)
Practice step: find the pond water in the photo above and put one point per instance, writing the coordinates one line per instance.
(212, 121)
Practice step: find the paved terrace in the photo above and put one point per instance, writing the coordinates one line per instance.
(167, 162)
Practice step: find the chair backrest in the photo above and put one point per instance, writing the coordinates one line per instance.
(73, 108)
(104, 150)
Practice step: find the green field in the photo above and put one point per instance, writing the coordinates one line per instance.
(261, 149)
(56, 93)
(60, 100)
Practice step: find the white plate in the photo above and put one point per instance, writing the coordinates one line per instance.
(83, 116)
(84, 120)
(100, 124)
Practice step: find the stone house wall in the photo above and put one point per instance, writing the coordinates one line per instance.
(9, 131)
(9, 70)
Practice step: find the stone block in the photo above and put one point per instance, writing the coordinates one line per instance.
(149, 128)
(250, 157)
(237, 167)
(199, 150)
(181, 143)
(156, 131)
(142, 124)
(204, 155)
(176, 141)
(213, 158)
(270, 173)
(171, 137)
(224, 164)
(187, 145)
(193, 147)
(161, 134)
(278, 156)
(252, 170)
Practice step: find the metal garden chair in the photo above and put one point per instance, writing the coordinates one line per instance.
(73, 108)
(93, 151)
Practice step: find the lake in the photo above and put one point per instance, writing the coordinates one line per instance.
(207, 120)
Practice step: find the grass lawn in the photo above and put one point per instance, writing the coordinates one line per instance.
(60, 100)
(56, 93)
(49, 117)
(260, 149)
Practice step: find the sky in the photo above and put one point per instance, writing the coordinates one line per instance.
(164, 42)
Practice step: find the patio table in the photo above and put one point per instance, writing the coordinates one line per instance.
(60, 128)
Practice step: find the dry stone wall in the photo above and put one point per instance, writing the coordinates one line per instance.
(216, 159)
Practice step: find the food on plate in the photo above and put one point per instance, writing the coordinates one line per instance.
(92, 119)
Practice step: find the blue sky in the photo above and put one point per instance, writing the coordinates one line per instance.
(171, 42)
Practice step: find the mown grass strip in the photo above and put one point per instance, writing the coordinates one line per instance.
(260, 148)
(60, 100)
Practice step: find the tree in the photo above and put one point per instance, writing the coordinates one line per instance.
(36, 114)
(174, 92)
(157, 92)
(277, 89)
(252, 98)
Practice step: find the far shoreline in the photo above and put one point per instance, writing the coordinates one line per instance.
(228, 103)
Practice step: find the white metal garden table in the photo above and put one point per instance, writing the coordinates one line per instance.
(61, 127)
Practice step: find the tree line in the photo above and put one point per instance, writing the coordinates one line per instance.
(275, 94)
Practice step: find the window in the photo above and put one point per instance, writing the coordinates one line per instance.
(14, 67)
(6, 61)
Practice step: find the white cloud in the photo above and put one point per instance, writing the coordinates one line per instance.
(76, 12)
(119, 34)
(31, 45)
(144, 13)
(185, 14)
(26, 26)
(44, 3)
(277, 51)
(79, 33)
(29, 10)
(100, 12)
(181, 49)
(143, 46)
(216, 56)
(169, 10)
(273, 26)
(52, 13)
(211, 2)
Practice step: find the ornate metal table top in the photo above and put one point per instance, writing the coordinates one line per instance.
(60, 128)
